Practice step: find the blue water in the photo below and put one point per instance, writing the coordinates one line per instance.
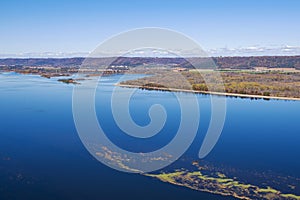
(42, 157)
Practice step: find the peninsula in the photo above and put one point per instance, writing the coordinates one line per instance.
(268, 77)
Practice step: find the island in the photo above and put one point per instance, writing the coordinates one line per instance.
(267, 77)
(68, 81)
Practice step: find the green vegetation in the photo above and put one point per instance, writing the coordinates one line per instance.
(220, 184)
(268, 190)
(169, 177)
(290, 196)
(202, 176)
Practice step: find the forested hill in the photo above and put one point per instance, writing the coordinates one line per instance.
(221, 62)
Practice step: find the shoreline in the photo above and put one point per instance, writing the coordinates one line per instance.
(210, 92)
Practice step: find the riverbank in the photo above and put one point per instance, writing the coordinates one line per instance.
(209, 92)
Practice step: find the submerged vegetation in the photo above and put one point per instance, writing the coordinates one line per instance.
(209, 177)
(205, 179)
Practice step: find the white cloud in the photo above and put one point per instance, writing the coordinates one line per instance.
(44, 55)
(283, 50)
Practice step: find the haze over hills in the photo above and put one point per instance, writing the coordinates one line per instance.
(244, 51)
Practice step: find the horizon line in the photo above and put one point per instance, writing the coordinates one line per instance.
(249, 51)
(171, 57)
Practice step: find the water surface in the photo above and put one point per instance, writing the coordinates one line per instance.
(42, 157)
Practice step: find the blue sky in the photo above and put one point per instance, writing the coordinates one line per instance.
(79, 26)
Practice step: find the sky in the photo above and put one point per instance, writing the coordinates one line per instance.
(73, 27)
